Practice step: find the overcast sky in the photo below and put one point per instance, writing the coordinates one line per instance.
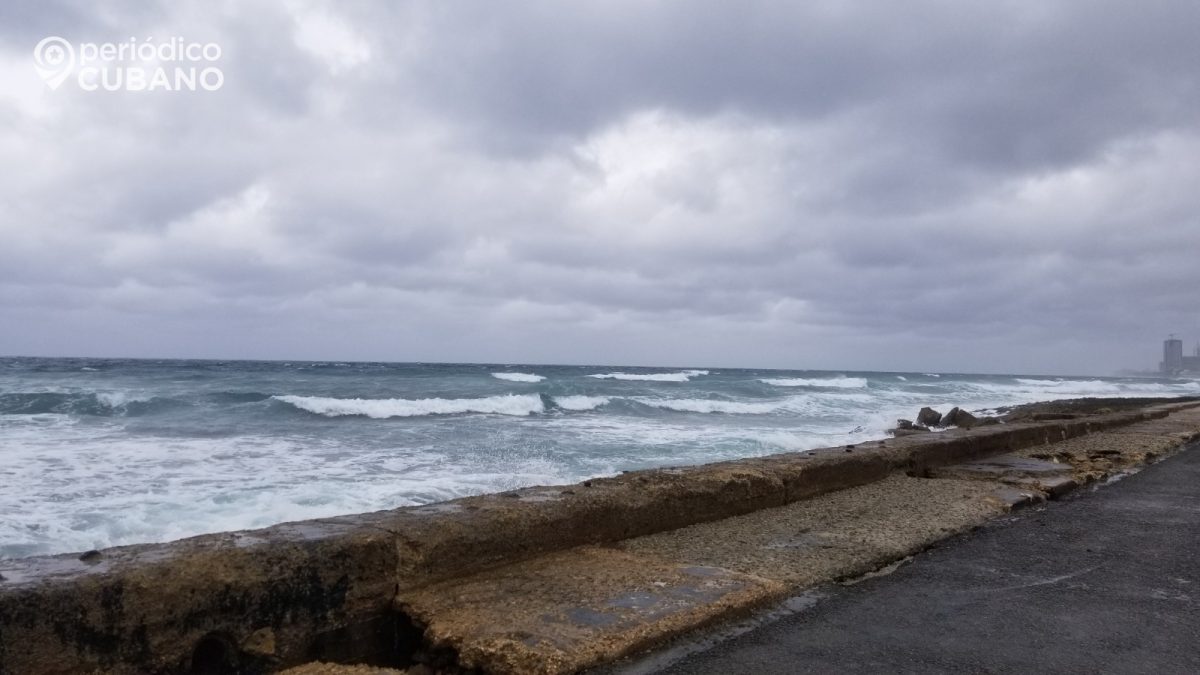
(993, 186)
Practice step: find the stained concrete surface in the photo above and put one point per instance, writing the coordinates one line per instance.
(838, 535)
(1105, 581)
(590, 605)
(565, 611)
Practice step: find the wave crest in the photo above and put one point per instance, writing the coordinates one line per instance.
(580, 402)
(382, 408)
(681, 376)
(518, 377)
(704, 405)
(841, 382)
(95, 404)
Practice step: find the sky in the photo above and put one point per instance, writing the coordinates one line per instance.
(940, 185)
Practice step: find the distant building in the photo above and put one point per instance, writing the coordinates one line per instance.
(1174, 362)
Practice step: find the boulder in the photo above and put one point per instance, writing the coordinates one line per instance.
(907, 428)
(957, 417)
(929, 417)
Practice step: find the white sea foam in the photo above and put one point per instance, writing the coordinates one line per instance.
(902, 378)
(682, 376)
(116, 399)
(82, 490)
(841, 382)
(518, 377)
(1026, 387)
(703, 405)
(1039, 383)
(580, 402)
(380, 408)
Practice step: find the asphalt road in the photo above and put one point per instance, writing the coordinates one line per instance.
(1106, 581)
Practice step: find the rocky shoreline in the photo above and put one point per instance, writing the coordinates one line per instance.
(929, 419)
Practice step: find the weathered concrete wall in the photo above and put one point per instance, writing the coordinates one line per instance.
(317, 589)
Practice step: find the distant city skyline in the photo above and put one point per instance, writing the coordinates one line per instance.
(1174, 360)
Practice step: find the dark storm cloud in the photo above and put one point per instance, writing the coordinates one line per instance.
(928, 185)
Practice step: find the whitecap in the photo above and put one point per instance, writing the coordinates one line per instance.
(840, 382)
(704, 405)
(116, 399)
(580, 402)
(508, 404)
(518, 377)
(682, 376)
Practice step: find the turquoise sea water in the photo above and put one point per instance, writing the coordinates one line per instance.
(101, 452)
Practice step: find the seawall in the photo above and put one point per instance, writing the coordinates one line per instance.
(327, 589)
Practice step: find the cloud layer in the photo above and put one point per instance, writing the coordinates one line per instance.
(932, 185)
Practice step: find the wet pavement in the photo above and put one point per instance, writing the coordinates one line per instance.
(1107, 580)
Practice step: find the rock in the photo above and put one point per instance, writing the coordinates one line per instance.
(929, 417)
(986, 421)
(904, 424)
(90, 557)
(909, 432)
(260, 643)
(957, 417)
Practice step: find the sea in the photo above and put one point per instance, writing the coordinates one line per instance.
(104, 452)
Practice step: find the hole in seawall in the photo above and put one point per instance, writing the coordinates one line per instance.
(391, 640)
(215, 654)
(219, 654)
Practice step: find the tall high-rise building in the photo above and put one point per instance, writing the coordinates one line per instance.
(1172, 356)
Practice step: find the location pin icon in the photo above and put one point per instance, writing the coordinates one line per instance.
(54, 59)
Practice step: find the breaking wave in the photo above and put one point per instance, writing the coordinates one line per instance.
(682, 376)
(580, 402)
(381, 408)
(95, 404)
(841, 382)
(518, 377)
(703, 405)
